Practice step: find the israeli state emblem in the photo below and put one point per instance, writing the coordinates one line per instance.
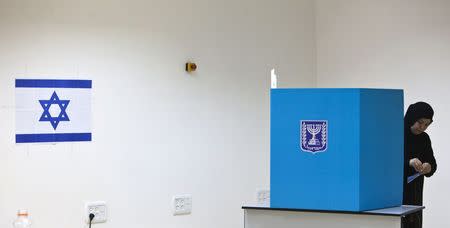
(313, 137)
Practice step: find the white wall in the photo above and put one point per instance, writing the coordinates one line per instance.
(157, 131)
(394, 44)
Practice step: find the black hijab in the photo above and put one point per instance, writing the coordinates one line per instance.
(417, 111)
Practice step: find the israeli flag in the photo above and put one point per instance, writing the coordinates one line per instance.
(53, 110)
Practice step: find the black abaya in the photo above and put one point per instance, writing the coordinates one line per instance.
(416, 146)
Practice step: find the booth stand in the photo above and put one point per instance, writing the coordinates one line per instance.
(265, 217)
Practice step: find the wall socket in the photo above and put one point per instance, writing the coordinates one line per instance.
(98, 208)
(263, 196)
(182, 204)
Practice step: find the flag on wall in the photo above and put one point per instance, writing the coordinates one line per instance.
(53, 110)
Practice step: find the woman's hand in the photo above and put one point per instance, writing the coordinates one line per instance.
(426, 168)
(416, 164)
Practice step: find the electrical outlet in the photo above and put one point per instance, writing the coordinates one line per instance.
(182, 204)
(97, 208)
(263, 196)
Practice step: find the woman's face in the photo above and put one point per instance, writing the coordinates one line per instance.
(420, 126)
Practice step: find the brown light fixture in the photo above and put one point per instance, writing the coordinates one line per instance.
(190, 67)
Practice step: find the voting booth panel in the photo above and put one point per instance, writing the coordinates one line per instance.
(336, 149)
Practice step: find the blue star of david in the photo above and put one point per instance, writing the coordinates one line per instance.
(54, 100)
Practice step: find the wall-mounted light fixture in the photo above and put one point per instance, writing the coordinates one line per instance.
(191, 67)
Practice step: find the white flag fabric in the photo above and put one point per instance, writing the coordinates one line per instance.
(53, 110)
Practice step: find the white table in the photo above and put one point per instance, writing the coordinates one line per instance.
(257, 216)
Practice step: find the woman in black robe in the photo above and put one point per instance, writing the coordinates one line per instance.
(419, 158)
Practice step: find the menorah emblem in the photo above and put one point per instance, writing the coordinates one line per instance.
(313, 135)
(313, 129)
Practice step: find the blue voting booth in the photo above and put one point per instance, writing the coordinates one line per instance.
(336, 149)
